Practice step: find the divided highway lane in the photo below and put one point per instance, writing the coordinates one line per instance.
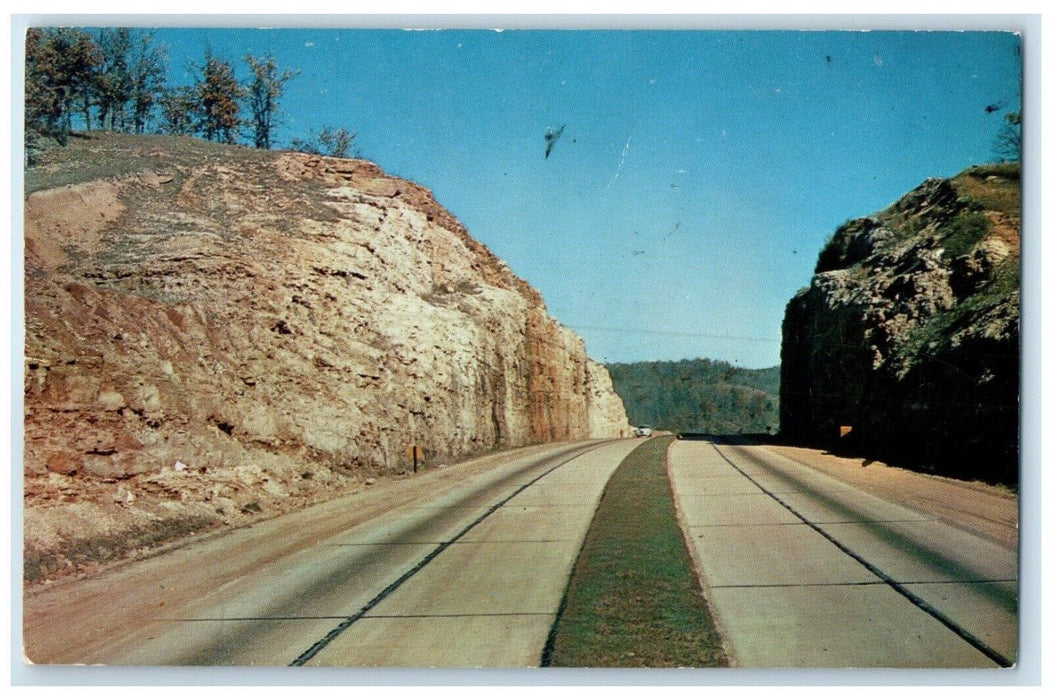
(470, 574)
(803, 570)
(491, 597)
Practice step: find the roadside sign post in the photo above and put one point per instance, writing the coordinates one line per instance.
(416, 453)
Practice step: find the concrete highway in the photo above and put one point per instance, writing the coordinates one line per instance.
(466, 572)
(466, 566)
(803, 570)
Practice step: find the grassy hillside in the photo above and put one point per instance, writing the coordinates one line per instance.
(698, 395)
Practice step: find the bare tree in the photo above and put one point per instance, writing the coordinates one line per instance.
(336, 143)
(339, 143)
(1009, 141)
(266, 88)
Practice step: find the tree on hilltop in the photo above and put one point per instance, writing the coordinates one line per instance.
(219, 96)
(1009, 141)
(112, 84)
(266, 88)
(336, 143)
(60, 64)
(339, 142)
(110, 79)
(149, 67)
(178, 110)
(43, 105)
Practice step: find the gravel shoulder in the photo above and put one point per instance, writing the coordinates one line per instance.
(989, 511)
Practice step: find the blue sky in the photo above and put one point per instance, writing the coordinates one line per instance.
(699, 172)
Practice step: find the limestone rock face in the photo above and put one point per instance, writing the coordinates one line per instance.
(219, 307)
(909, 331)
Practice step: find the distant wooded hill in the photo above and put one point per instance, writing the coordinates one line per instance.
(703, 396)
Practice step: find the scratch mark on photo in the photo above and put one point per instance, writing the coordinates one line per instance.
(624, 154)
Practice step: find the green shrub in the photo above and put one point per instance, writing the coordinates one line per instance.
(963, 232)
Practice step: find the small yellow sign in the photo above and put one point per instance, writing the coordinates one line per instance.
(416, 452)
(845, 430)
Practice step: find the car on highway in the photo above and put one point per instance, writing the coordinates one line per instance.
(644, 431)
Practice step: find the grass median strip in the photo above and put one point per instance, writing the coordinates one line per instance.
(633, 599)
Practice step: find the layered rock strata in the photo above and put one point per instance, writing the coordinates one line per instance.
(225, 311)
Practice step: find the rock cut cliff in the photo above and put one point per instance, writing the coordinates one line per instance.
(908, 335)
(210, 329)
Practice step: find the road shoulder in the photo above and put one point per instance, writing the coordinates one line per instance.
(991, 512)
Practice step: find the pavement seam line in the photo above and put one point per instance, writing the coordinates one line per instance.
(799, 585)
(275, 618)
(858, 583)
(899, 588)
(819, 522)
(457, 615)
(932, 557)
(392, 587)
(972, 486)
